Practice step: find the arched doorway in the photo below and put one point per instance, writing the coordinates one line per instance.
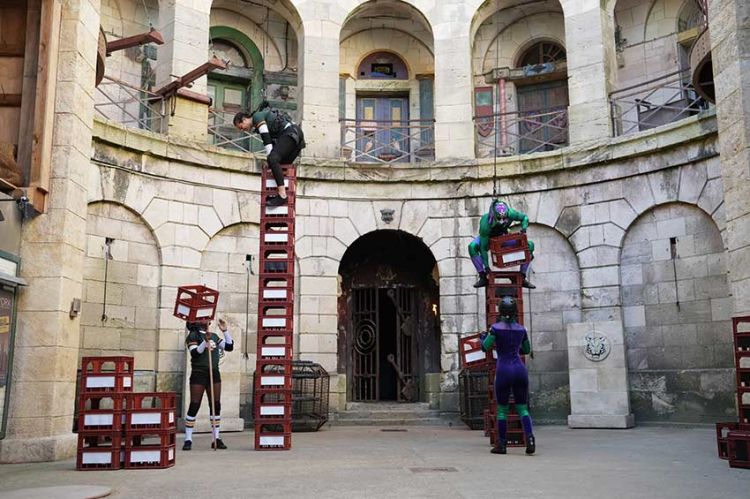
(388, 311)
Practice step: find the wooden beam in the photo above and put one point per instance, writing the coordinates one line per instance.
(44, 109)
(28, 91)
(151, 36)
(10, 100)
(171, 88)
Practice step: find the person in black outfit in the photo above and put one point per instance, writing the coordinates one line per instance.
(201, 343)
(282, 138)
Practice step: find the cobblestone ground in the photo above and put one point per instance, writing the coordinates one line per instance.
(346, 462)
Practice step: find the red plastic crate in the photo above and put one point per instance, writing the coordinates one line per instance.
(149, 449)
(151, 411)
(106, 374)
(196, 303)
(739, 449)
(471, 354)
(510, 256)
(99, 451)
(272, 383)
(722, 433)
(273, 406)
(274, 347)
(273, 436)
(100, 411)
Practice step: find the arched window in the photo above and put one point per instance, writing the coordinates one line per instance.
(543, 100)
(237, 88)
(541, 53)
(690, 15)
(227, 51)
(382, 66)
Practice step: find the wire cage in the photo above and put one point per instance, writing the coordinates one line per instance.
(310, 393)
(473, 393)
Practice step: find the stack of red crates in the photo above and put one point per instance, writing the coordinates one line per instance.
(115, 425)
(506, 251)
(273, 380)
(733, 439)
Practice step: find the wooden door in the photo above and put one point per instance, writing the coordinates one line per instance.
(382, 129)
(541, 128)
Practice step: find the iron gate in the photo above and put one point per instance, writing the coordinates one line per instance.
(365, 355)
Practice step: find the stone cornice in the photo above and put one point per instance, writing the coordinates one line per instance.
(683, 142)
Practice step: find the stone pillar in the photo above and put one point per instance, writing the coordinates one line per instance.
(184, 24)
(319, 79)
(598, 376)
(454, 127)
(729, 21)
(589, 42)
(43, 386)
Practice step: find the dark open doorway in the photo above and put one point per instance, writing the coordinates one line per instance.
(388, 314)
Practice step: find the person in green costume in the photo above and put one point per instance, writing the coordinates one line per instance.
(496, 222)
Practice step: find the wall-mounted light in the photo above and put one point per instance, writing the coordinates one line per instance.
(75, 308)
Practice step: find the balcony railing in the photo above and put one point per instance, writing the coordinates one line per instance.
(527, 132)
(222, 133)
(388, 141)
(131, 106)
(654, 103)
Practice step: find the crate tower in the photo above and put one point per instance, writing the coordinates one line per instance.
(273, 380)
(506, 251)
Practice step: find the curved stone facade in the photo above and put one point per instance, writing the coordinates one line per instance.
(640, 214)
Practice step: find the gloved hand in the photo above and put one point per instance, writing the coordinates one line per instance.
(482, 337)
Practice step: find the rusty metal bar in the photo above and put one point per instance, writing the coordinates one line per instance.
(387, 141)
(527, 132)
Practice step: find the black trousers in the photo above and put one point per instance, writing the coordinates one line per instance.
(285, 151)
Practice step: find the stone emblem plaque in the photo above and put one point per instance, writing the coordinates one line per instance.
(596, 346)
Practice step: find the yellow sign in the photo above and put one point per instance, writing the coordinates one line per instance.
(4, 324)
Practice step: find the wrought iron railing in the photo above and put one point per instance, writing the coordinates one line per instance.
(654, 103)
(526, 132)
(409, 141)
(131, 106)
(222, 133)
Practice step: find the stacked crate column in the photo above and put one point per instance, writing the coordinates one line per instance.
(273, 380)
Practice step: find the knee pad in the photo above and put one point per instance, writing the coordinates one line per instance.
(217, 407)
(523, 409)
(193, 409)
(473, 249)
(502, 412)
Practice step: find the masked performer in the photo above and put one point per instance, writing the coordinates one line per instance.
(497, 222)
(201, 343)
(283, 140)
(510, 340)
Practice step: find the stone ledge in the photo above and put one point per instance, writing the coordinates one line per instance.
(601, 421)
(29, 450)
(574, 165)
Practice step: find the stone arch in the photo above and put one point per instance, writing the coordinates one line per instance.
(224, 267)
(389, 289)
(548, 309)
(500, 32)
(125, 320)
(676, 311)
(250, 51)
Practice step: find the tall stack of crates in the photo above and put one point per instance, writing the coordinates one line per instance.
(506, 251)
(733, 439)
(273, 380)
(116, 426)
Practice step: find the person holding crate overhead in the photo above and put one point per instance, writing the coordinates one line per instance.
(497, 222)
(201, 344)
